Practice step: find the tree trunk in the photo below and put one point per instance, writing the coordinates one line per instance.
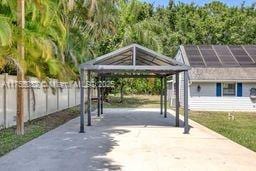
(20, 72)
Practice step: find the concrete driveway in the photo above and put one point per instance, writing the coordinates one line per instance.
(130, 139)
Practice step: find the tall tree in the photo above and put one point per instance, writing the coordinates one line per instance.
(41, 40)
(20, 72)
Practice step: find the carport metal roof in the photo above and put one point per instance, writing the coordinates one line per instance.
(133, 61)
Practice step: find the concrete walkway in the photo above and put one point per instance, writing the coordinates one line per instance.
(130, 139)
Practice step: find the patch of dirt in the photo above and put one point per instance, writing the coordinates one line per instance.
(56, 119)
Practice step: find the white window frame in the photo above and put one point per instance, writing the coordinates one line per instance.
(222, 89)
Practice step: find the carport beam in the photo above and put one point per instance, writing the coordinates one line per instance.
(82, 106)
(165, 97)
(102, 95)
(134, 56)
(177, 88)
(98, 97)
(186, 125)
(89, 100)
(161, 96)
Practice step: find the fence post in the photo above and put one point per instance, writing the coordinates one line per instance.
(46, 98)
(68, 94)
(28, 91)
(74, 86)
(4, 100)
(57, 88)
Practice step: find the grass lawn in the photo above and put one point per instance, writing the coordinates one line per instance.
(9, 140)
(241, 130)
(134, 101)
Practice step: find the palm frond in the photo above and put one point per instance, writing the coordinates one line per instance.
(5, 32)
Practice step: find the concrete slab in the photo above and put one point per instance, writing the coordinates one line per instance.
(130, 139)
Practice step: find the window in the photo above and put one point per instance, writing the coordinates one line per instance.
(229, 89)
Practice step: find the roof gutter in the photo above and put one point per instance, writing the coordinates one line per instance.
(214, 81)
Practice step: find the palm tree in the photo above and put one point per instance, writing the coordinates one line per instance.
(88, 24)
(134, 29)
(20, 72)
(42, 41)
(5, 39)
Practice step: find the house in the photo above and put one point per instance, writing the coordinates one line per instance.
(222, 77)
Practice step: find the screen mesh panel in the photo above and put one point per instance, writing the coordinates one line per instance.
(241, 55)
(225, 55)
(194, 56)
(251, 50)
(209, 56)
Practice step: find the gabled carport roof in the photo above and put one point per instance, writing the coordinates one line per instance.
(134, 58)
(130, 61)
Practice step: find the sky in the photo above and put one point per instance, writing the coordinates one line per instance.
(201, 2)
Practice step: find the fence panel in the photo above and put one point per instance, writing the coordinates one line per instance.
(78, 96)
(63, 98)
(38, 102)
(11, 101)
(52, 101)
(72, 96)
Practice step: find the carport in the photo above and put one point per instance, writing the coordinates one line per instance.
(133, 61)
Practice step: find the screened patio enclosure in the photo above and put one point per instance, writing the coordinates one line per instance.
(133, 61)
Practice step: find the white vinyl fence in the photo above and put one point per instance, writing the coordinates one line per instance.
(38, 101)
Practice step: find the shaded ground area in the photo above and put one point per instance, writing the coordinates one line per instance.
(129, 139)
(9, 140)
